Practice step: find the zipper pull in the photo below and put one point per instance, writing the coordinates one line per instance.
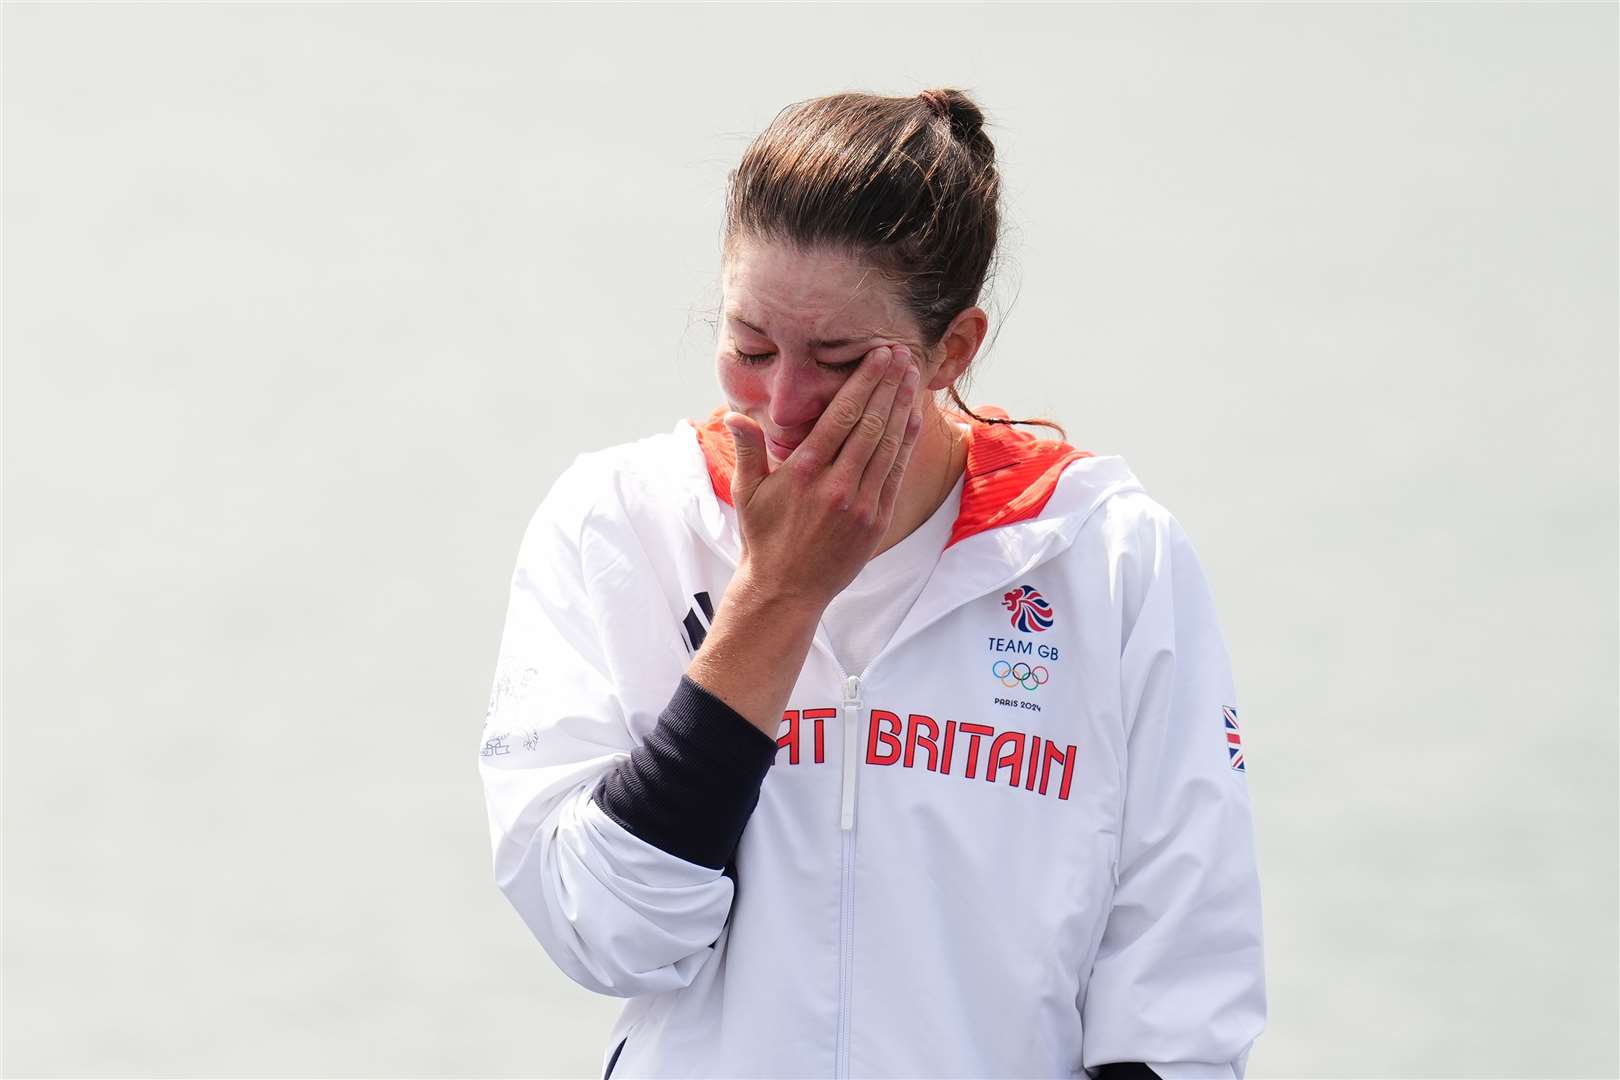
(852, 710)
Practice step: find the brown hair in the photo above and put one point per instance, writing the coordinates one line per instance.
(906, 183)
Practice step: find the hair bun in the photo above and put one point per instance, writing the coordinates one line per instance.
(953, 105)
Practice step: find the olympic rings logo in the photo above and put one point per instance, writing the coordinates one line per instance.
(1020, 675)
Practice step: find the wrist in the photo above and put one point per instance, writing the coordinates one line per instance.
(753, 591)
(755, 649)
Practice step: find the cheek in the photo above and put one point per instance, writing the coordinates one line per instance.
(742, 387)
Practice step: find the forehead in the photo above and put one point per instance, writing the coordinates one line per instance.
(823, 293)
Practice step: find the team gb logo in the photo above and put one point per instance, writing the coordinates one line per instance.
(1030, 611)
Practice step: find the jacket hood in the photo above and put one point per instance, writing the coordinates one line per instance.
(1023, 499)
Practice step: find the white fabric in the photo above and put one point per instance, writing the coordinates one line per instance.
(860, 620)
(1193, 1070)
(1103, 908)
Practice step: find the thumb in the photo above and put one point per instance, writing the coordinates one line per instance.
(749, 442)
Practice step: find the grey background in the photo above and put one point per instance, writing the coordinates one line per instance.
(306, 306)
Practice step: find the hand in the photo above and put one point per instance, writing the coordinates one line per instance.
(811, 524)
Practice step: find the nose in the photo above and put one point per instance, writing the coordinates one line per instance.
(798, 396)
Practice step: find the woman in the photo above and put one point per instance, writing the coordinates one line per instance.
(849, 734)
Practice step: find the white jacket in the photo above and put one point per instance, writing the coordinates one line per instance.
(1020, 843)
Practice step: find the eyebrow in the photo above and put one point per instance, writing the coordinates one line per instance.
(818, 343)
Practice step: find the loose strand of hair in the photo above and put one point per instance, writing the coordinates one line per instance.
(956, 399)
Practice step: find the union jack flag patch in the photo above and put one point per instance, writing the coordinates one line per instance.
(1234, 739)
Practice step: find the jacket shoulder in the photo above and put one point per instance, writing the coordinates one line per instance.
(1137, 537)
(1129, 517)
(617, 481)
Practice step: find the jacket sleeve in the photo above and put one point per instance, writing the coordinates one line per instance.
(1179, 982)
(630, 899)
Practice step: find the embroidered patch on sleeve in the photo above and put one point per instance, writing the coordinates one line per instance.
(1234, 739)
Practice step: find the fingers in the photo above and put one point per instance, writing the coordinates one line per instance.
(749, 443)
(856, 453)
(908, 442)
(842, 413)
(887, 450)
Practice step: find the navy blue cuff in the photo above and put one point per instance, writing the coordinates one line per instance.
(691, 787)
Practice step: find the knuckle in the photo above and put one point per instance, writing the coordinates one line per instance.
(834, 495)
(845, 412)
(871, 425)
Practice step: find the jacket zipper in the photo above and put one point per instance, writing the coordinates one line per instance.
(852, 713)
(846, 881)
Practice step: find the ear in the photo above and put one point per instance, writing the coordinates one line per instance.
(958, 346)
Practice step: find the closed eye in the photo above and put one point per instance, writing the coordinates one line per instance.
(847, 365)
(760, 358)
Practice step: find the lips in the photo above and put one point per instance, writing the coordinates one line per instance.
(778, 448)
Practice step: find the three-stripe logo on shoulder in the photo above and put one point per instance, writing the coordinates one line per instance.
(695, 627)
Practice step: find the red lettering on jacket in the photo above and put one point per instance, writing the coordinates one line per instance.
(791, 739)
(974, 731)
(1025, 757)
(1067, 757)
(889, 739)
(818, 716)
(1011, 757)
(915, 737)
